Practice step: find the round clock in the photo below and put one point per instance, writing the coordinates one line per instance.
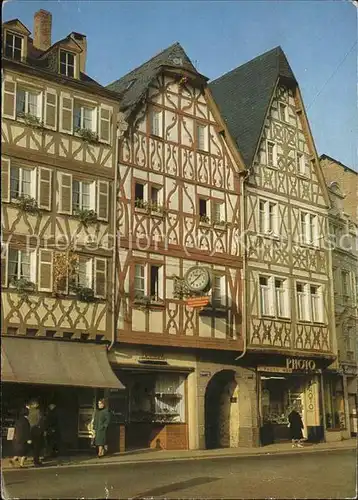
(197, 278)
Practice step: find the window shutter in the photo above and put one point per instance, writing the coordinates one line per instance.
(102, 200)
(34, 183)
(50, 109)
(104, 125)
(45, 271)
(66, 113)
(9, 99)
(65, 193)
(44, 188)
(33, 266)
(100, 277)
(4, 275)
(5, 179)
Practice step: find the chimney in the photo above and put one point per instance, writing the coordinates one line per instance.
(82, 42)
(42, 29)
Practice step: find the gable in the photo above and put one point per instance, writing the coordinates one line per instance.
(16, 26)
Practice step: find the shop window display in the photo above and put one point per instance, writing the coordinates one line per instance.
(334, 404)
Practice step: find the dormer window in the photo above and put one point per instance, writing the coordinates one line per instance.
(67, 63)
(13, 46)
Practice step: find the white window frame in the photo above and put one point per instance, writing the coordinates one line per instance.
(82, 107)
(202, 136)
(301, 164)
(156, 122)
(284, 105)
(274, 154)
(218, 285)
(33, 181)
(312, 303)
(88, 263)
(159, 190)
(92, 194)
(14, 35)
(158, 295)
(217, 212)
(266, 303)
(309, 231)
(27, 91)
(67, 52)
(269, 293)
(142, 276)
(32, 264)
(268, 218)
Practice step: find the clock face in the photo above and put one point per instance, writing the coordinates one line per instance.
(197, 278)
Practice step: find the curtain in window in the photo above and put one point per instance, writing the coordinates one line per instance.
(139, 281)
(15, 182)
(87, 118)
(20, 101)
(77, 118)
(33, 98)
(26, 182)
(86, 205)
(25, 265)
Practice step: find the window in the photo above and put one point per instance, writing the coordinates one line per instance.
(154, 282)
(84, 117)
(201, 137)
(301, 164)
(268, 217)
(271, 154)
(217, 212)
(273, 296)
(13, 46)
(21, 182)
(203, 210)
(19, 265)
(84, 272)
(345, 285)
(217, 294)
(139, 281)
(155, 198)
(28, 102)
(280, 298)
(169, 397)
(81, 195)
(309, 232)
(67, 63)
(283, 112)
(156, 123)
(309, 302)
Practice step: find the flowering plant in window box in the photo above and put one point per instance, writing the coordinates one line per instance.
(181, 289)
(139, 203)
(83, 293)
(23, 287)
(204, 219)
(156, 207)
(85, 216)
(31, 120)
(27, 204)
(87, 135)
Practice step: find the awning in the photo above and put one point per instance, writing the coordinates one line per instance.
(35, 361)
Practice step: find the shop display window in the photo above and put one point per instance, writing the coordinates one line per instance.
(334, 404)
(157, 398)
(277, 398)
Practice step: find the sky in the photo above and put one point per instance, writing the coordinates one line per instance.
(318, 37)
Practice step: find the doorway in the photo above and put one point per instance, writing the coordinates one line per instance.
(222, 411)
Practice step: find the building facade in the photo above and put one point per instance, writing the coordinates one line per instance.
(58, 170)
(289, 297)
(341, 390)
(179, 212)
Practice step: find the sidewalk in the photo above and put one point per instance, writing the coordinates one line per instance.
(150, 456)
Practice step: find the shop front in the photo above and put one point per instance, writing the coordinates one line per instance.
(287, 383)
(72, 375)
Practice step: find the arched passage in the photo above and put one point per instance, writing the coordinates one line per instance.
(222, 411)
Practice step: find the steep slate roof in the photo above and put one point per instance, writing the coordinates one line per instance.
(243, 96)
(134, 84)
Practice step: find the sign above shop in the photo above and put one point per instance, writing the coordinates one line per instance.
(274, 369)
(300, 364)
(153, 358)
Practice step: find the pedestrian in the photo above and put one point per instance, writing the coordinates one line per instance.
(36, 421)
(52, 429)
(22, 439)
(296, 426)
(100, 425)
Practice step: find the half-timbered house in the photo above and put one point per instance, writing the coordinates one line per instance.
(288, 299)
(58, 169)
(178, 208)
(341, 387)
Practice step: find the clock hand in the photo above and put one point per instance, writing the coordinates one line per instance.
(192, 282)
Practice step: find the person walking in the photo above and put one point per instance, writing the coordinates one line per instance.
(296, 426)
(22, 439)
(36, 421)
(52, 429)
(100, 425)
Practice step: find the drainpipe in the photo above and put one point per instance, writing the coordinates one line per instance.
(114, 315)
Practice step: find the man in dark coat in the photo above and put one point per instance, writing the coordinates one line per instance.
(52, 429)
(296, 426)
(22, 439)
(100, 425)
(36, 420)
